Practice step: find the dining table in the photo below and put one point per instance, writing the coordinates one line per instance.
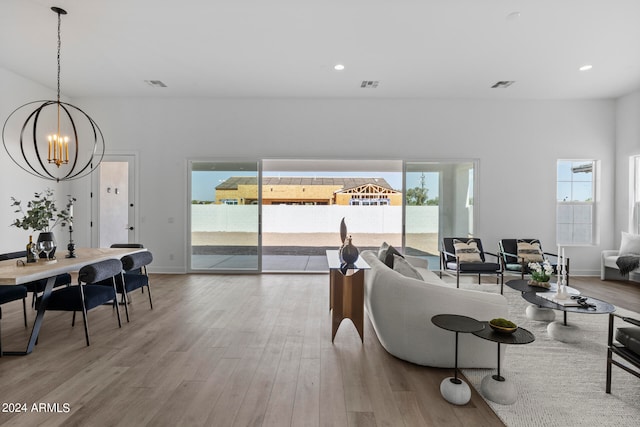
(17, 271)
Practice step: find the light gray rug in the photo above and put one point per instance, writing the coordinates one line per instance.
(562, 384)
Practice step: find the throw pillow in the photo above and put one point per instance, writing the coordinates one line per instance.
(403, 267)
(630, 244)
(389, 258)
(467, 251)
(530, 251)
(382, 252)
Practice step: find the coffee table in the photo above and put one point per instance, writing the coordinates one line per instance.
(536, 312)
(495, 387)
(561, 331)
(453, 389)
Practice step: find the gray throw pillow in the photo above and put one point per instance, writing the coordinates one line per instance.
(403, 267)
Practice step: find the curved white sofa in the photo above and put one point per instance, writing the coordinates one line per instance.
(400, 309)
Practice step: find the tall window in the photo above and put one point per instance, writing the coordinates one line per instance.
(575, 202)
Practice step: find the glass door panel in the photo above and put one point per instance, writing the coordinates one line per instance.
(224, 216)
(305, 200)
(439, 201)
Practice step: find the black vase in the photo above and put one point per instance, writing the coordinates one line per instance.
(47, 235)
(349, 253)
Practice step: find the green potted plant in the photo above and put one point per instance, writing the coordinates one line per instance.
(41, 215)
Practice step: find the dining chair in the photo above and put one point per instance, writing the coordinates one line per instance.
(87, 295)
(134, 277)
(37, 286)
(12, 293)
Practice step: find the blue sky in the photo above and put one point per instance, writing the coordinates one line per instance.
(203, 183)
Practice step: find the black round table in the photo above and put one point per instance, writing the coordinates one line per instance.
(453, 389)
(536, 312)
(495, 387)
(523, 286)
(563, 331)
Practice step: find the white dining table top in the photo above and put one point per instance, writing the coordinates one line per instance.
(13, 274)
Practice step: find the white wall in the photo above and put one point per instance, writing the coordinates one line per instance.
(14, 92)
(517, 144)
(628, 144)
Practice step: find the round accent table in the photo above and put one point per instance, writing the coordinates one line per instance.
(495, 387)
(534, 311)
(453, 389)
(562, 331)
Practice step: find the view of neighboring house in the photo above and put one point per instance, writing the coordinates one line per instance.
(241, 190)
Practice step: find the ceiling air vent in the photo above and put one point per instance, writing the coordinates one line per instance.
(369, 84)
(503, 84)
(155, 83)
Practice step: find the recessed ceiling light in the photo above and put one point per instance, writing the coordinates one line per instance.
(586, 67)
(513, 16)
(338, 67)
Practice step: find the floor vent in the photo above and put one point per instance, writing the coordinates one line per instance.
(369, 84)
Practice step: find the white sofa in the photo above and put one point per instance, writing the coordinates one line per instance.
(629, 245)
(400, 309)
(609, 269)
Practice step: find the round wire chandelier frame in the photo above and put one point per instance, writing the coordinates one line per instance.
(29, 149)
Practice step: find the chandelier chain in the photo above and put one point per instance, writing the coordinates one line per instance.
(59, 45)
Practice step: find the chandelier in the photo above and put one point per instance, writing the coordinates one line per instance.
(46, 142)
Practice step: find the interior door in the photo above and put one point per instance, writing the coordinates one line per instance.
(114, 201)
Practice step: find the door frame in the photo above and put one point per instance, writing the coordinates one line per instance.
(131, 157)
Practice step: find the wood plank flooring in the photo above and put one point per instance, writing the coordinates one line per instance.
(221, 350)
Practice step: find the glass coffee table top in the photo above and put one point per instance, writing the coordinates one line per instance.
(594, 305)
(523, 285)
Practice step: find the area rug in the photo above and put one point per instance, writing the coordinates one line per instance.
(561, 384)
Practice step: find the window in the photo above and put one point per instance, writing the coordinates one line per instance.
(575, 202)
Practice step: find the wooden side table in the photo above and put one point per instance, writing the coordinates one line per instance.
(346, 293)
(453, 389)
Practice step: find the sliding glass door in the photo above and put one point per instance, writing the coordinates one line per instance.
(224, 216)
(282, 215)
(439, 202)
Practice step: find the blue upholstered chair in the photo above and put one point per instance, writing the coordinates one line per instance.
(37, 286)
(134, 277)
(8, 294)
(87, 295)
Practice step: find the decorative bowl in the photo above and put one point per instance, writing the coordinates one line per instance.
(503, 326)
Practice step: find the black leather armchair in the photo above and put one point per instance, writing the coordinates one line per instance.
(512, 263)
(625, 346)
(450, 262)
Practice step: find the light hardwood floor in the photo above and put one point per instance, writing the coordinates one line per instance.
(224, 351)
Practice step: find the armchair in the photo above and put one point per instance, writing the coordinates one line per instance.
(626, 346)
(515, 255)
(464, 255)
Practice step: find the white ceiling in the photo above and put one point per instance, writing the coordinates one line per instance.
(287, 48)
